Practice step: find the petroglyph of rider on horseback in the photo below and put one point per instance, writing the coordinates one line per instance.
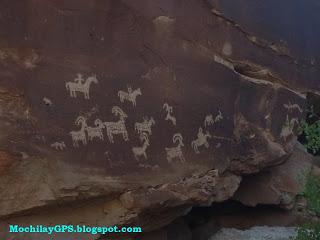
(80, 85)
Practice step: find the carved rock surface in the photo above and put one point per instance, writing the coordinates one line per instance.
(124, 109)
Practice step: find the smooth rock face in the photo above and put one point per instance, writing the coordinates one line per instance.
(126, 109)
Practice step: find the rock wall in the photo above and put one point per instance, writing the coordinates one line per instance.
(113, 112)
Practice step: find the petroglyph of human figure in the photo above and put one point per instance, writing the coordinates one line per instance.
(78, 85)
(130, 95)
(79, 136)
(201, 140)
(169, 116)
(290, 107)
(97, 131)
(176, 152)
(145, 126)
(141, 151)
(288, 127)
(59, 146)
(115, 128)
(210, 121)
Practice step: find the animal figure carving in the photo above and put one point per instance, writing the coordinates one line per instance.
(292, 107)
(145, 126)
(115, 128)
(47, 101)
(130, 95)
(169, 111)
(96, 132)
(59, 146)
(141, 151)
(79, 86)
(176, 152)
(210, 121)
(79, 136)
(200, 141)
(288, 127)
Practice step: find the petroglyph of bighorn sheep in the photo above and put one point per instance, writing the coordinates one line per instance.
(210, 121)
(169, 111)
(288, 127)
(201, 140)
(145, 126)
(79, 136)
(115, 128)
(130, 95)
(176, 152)
(141, 151)
(59, 146)
(78, 85)
(97, 131)
(290, 107)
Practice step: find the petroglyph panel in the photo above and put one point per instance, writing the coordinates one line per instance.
(149, 73)
(139, 55)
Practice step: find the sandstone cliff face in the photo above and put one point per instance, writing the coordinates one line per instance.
(113, 112)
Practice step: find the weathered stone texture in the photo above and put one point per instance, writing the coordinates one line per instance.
(192, 55)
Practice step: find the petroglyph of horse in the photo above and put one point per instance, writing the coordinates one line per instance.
(97, 131)
(145, 126)
(130, 95)
(116, 128)
(176, 152)
(141, 151)
(201, 140)
(59, 146)
(79, 86)
(79, 136)
(169, 116)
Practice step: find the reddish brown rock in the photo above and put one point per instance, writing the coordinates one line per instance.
(233, 104)
(277, 185)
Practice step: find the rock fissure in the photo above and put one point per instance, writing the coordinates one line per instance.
(275, 48)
